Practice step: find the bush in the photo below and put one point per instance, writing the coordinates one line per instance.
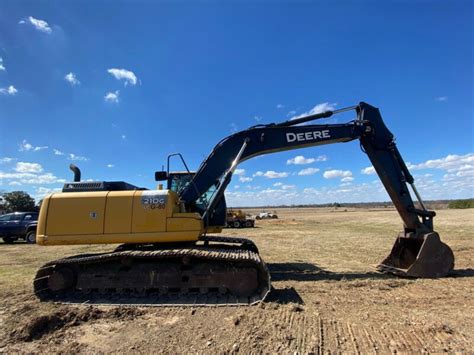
(468, 203)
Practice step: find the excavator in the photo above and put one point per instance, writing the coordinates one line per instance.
(169, 253)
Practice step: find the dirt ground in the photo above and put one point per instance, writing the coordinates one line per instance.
(326, 298)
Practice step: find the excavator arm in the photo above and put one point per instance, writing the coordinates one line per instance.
(417, 252)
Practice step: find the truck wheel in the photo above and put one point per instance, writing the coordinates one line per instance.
(31, 237)
(248, 224)
(236, 224)
(8, 240)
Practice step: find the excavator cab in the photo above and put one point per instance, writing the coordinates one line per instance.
(177, 181)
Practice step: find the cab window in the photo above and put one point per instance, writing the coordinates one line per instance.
(179, 182)
(203, 201)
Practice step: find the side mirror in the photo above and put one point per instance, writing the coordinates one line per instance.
(161, 175)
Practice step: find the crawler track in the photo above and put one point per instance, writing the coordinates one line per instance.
(209, 274)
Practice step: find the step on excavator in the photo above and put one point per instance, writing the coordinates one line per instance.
(169, 253)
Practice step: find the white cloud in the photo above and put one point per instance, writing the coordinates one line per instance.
(368, 171)
(41, 192)
(127, 75)
(333, 174)
(300, 160)
(308, 171)
(112, 96)
(291, 113)
(241, 174)
(22, 167)
(457, 183)
(14, 183)
(245, 179)
(2, 67)
(6, 160)
(26, 147)
(451, 162)
(31, 178)
(123, 136)
(110, 165)
(57, 152)
(75, 157)
(11, 90)
(257, 118)
(233, 128)
(323, 107)
(319, 108)
(38, 24)
(280, 106)
(442, 98)
(72, 79)
(270, 174)
(16, 175)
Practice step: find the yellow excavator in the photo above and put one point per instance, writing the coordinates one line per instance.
(168, 253)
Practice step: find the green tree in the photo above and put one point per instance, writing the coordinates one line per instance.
(18, 201)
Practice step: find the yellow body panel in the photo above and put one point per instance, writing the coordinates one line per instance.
(81, 212)
(117, 212)
(214, 229)
(150, 209)
(102, 217)
(163, 237)
(183, 223)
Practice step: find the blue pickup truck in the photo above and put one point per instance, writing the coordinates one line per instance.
(18, 225)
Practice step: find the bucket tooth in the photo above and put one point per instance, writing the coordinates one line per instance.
(420, 257)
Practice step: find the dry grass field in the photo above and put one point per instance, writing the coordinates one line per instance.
(327, 297)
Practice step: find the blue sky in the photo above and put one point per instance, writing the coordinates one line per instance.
(116, 86)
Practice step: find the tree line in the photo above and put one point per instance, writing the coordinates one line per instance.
(18, 201)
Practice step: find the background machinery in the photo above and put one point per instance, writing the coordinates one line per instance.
(169, 255)
(266, 215)
(239, 219)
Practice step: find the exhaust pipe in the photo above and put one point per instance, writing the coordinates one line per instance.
(76, 171)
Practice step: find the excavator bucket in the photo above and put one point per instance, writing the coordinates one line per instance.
(424, 257)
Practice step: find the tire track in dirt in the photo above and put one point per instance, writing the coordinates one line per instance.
(303, 331)
(355, 344)
(321, 336)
